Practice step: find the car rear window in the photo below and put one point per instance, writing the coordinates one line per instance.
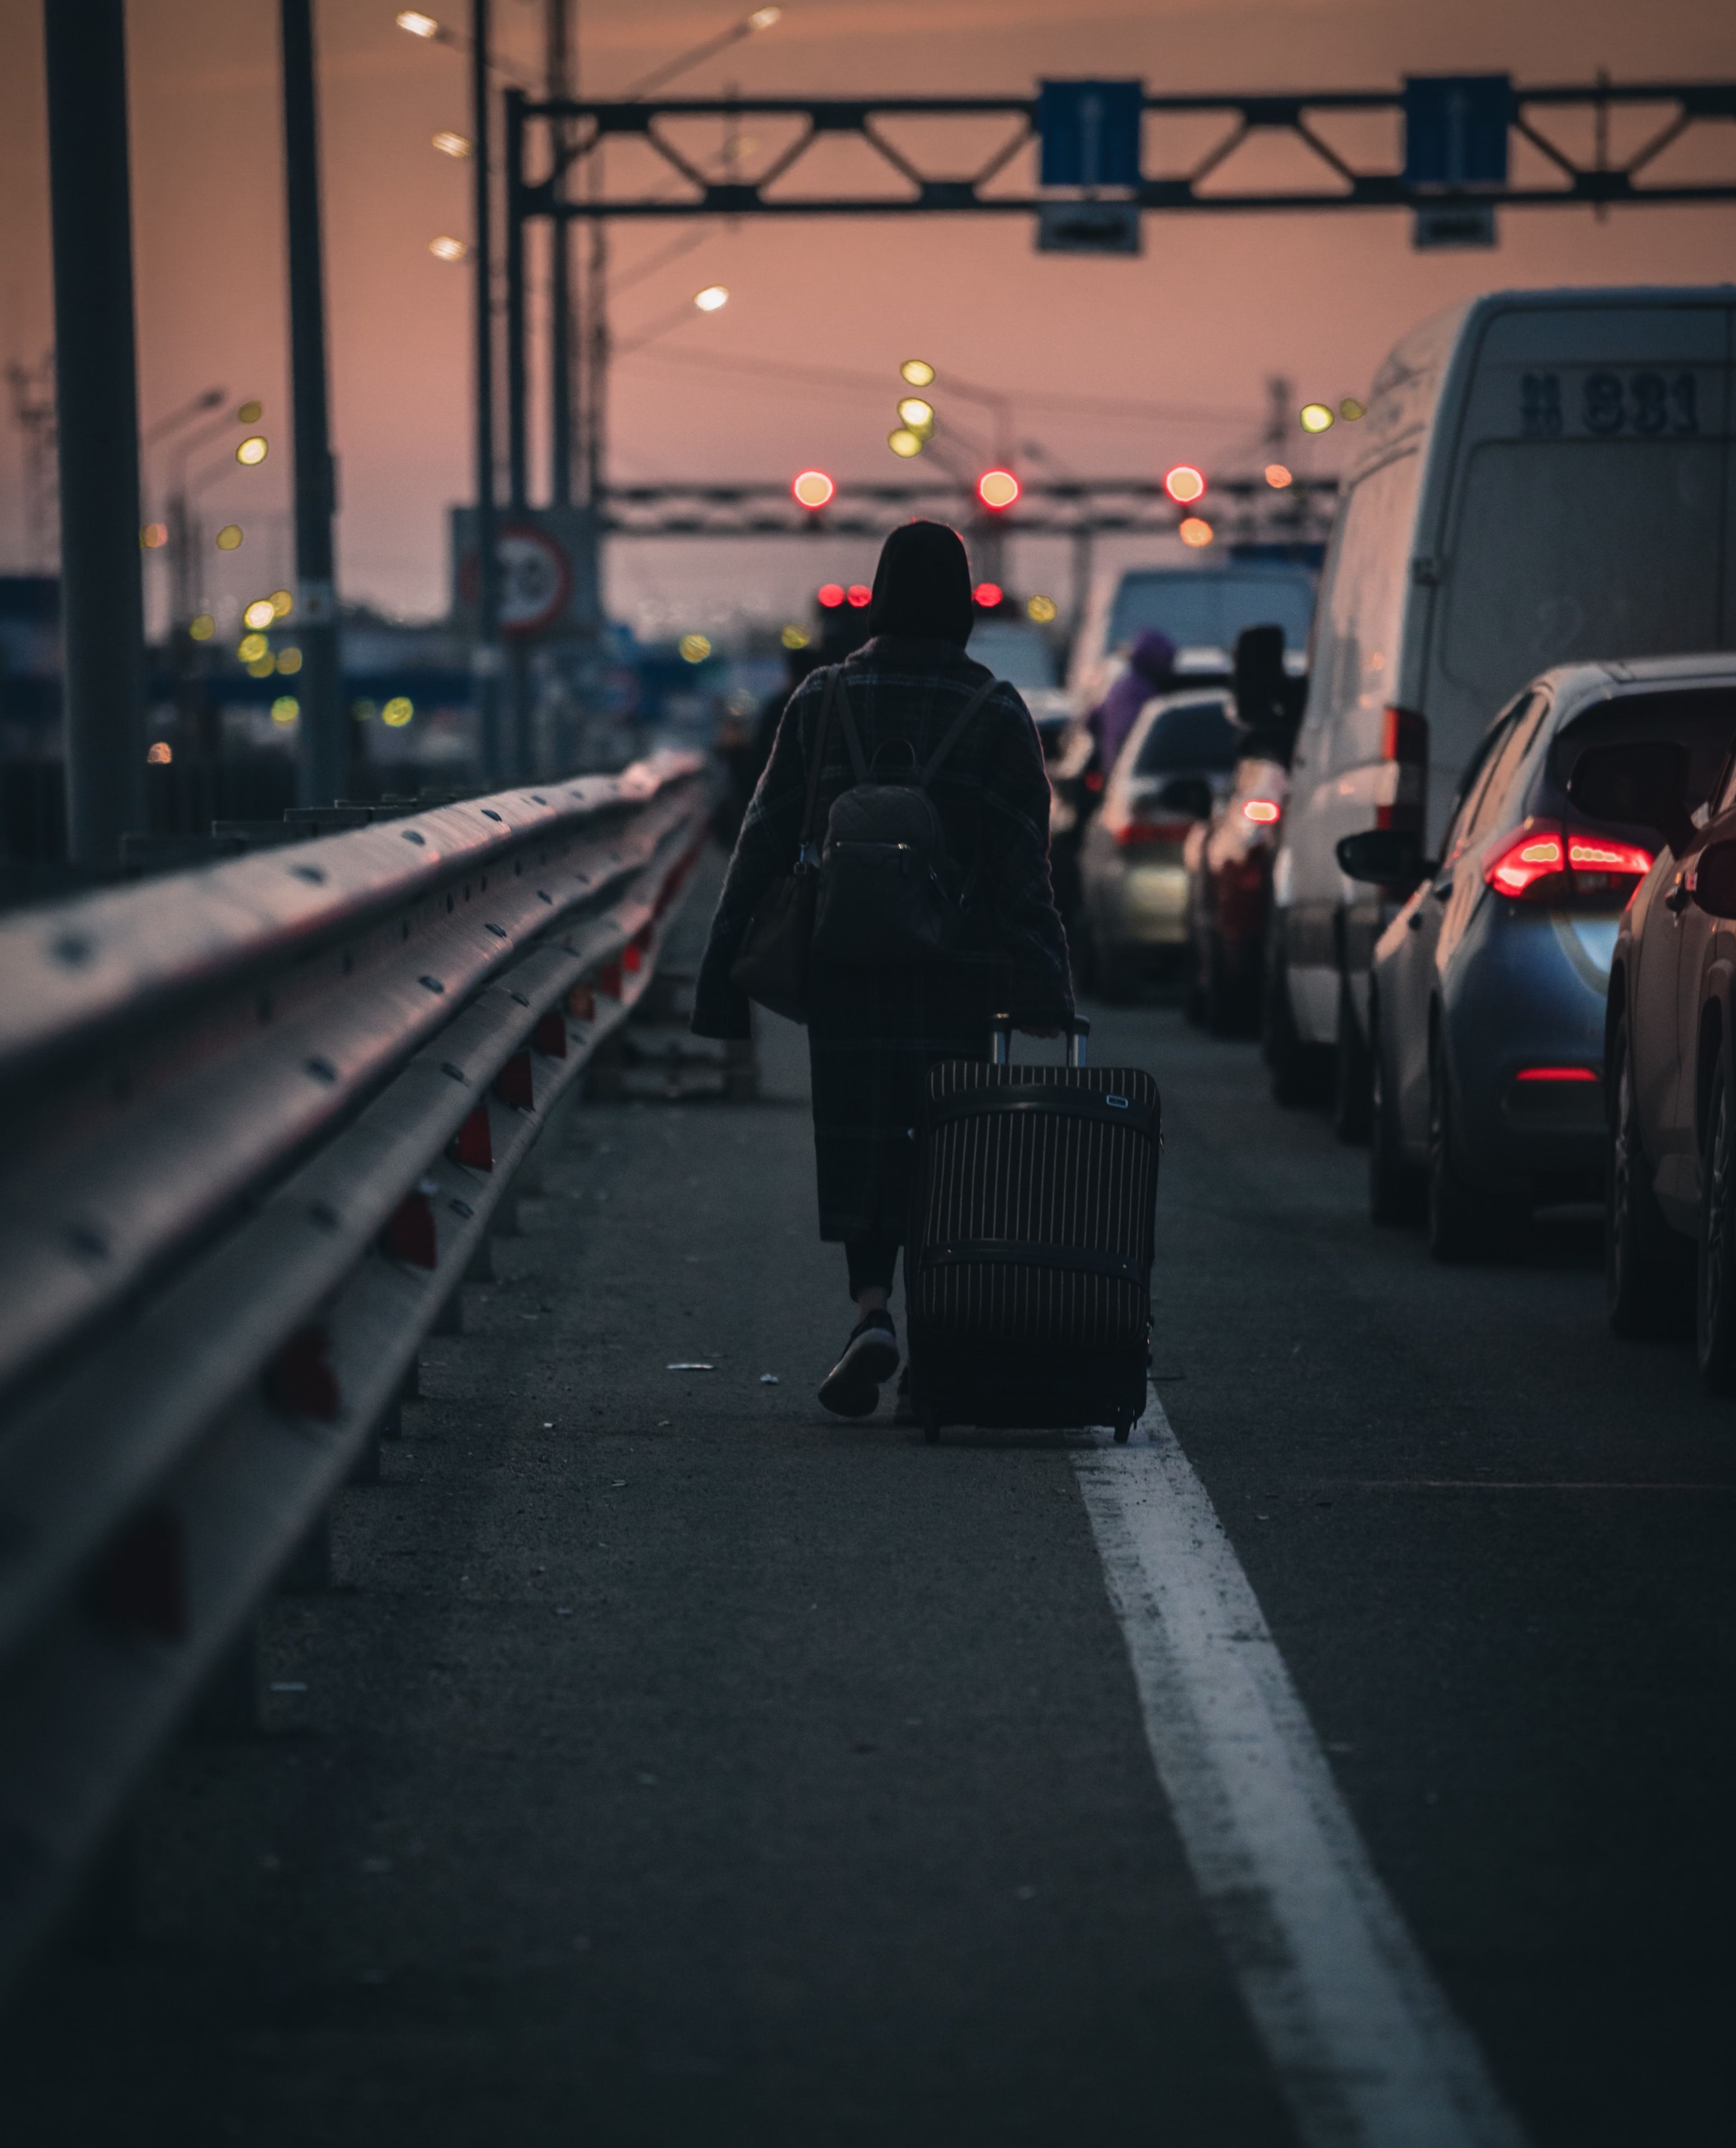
(1207, 607)
(1193, 734)
(1701, 718)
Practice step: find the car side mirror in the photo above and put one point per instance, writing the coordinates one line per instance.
(1643, 783)
(1389, 857)
(1714, 879)
(1190, 795)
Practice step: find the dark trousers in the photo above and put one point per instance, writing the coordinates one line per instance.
(872, 1260)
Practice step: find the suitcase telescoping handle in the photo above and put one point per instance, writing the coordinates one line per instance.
(1077, 1028)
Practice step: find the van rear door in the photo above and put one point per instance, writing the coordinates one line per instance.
(1587, 517)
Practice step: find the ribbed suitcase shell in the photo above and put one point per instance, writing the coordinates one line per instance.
(998, 1334)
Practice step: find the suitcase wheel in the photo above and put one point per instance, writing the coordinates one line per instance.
(1123, 1427)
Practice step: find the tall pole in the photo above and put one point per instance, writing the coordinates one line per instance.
(97, 390)
(517, 471)
(485, 660)
(324, 755)
(558, 82)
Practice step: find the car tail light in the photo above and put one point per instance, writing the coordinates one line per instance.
(1545, 864)
(1263, 811)
(1138, 834)
(1556, 1074)
(1404, 746)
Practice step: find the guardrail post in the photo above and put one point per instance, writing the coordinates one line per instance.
(310, 1570)
(228, 1707)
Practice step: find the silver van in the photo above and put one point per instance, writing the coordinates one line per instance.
(1542, 478)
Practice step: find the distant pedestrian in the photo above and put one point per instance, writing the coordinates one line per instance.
(874, 1030)
(1151, 669)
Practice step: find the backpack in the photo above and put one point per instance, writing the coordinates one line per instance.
(889, 893)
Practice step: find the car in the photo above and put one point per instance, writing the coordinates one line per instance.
(1202, 609)
(1540, 478)
(1177, 762)
(1487, 1000)
(1229, 857)
(1669, 1045)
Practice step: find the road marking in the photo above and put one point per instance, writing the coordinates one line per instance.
(1362, 2040)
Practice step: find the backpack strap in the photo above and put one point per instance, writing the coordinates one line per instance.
(956, 731)
(815, 763)
(851, 737)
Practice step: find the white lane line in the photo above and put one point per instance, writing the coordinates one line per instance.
(1363, 2041)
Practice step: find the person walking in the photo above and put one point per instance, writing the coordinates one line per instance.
(874, 1030)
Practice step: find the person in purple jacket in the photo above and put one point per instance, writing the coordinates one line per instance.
(1151, 669)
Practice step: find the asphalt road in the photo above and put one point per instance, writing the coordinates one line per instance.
(673, 1765)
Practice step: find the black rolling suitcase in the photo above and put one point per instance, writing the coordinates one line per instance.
(1028, 1258)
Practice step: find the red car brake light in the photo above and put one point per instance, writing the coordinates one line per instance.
(1556, 1074)
(1544, 864)
(1263, 811)
(1404, 743)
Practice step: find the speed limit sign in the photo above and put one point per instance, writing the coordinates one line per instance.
(536, 578)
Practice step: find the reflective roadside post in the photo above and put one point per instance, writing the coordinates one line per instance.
(323, 755)
(97, 391)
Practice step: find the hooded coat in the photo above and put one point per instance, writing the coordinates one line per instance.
(1151, 669)
(872, 1034)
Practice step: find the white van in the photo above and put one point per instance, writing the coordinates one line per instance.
(1201, 609)
(1542, 478)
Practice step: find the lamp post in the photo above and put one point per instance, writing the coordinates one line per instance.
(323, 760)
(97, 392)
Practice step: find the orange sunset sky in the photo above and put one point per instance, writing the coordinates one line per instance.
(1189, 333)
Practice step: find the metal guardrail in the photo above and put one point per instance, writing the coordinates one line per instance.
(257, 1120)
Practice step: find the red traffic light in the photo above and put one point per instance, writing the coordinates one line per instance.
(988, 595)
(831, 595)
(859, 595)
(812, 487)
(998, 489)
(1184, 485)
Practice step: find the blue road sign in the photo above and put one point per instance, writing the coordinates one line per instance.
(1089, 132)
(1455, 129)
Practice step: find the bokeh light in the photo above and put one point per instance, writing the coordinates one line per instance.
(902, 441)
(282, 603)
(859, 596)
(1184, 484)
(249, 414)
(261, 612)
(1350, 409)
(1041, 609)
(812, 487)
(712, 298)
(159, 753)
(1315, 417)
(998, 489)
(694, 648)
(986, 595)
(451, 143)
(153, 536)
(262, 667)
(253, 647)
(203, 627)
(252, 450)
(228, 538)
(289, 659)
(285, 709)
(446, 247)
(918, 414)
(1195, 530)
(398, 711)
(829, 596)
(417, 23)
(795, 637)
(1277, 477)
(917, 373)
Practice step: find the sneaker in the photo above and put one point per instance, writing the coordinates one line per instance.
(852, 1387)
